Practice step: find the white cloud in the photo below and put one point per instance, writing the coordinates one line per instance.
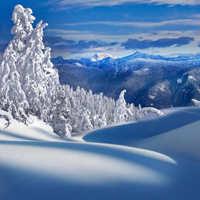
(66, 4)
(175, 2)
(179, 22)
(67, 32)
(86, 35)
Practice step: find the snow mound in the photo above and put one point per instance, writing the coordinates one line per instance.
(18, 131)
(181, 142)
(42, 165)
(175, 134)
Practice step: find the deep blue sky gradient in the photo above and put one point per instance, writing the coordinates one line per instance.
(78, 30)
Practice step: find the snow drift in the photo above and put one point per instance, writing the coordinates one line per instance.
(36, 164)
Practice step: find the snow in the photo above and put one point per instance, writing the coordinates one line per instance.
(160, 87)
(142, 71)
(101, 56)
(144, 111)
(196, 102)
(79, 65)
(151, 97)
(181, 142)
(30, 85)
(179, 80)
(154, 158)
(191, 78)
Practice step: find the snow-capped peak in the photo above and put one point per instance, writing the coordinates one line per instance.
(140, 55)
(101, 56)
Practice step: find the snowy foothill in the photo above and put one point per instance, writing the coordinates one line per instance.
(155, 158)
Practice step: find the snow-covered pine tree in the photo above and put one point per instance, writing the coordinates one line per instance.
(60, 106)
(131, 112)
(108, 105)
(28, 80)
(87, 110)
(38, 79)
(120, 111)
(85, 120)
(23, 19)
(12, 96)
(98, 122)
(27, 74)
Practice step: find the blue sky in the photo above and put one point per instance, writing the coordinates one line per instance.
(81, 28)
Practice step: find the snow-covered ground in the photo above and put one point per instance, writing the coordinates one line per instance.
(154, 158)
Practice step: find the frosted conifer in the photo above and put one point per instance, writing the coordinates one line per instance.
(39, 80)
(120, 112)
(13, 98)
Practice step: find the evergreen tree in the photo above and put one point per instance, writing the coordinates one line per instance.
(12, 96)
(23, 20)
(39, 80)
(60, 107)
(120, 112)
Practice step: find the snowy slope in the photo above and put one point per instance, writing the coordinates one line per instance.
(130, 134)
(36, 164)
(37, 131)
(176, 134)
(182, 142)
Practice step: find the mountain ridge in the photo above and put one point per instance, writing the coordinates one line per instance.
(150, 80)
(137, 55)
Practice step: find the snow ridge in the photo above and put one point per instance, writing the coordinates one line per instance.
(101, 56)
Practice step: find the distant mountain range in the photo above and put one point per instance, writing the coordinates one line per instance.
(150, 80)
(101, 56)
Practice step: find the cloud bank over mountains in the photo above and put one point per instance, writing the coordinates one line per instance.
(161, 43)
(58, 44)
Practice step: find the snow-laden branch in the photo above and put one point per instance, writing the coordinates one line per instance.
(196, 102)
(7, 118)
(144, 111)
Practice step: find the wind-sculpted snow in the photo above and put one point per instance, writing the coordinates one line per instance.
(129, 134)
(40, 165)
